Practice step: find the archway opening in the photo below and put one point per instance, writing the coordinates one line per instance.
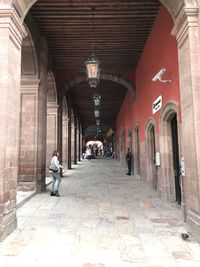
(151, 152)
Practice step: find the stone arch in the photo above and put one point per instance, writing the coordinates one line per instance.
(51, 89)
(150, 150)
(104, 76)
(29, 62)
(170, 110)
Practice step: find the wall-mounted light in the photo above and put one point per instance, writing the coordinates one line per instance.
(158, 77)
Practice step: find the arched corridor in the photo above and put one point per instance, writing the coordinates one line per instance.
(144, 60)
(103, 218)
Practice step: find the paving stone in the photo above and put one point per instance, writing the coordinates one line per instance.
(102, 219)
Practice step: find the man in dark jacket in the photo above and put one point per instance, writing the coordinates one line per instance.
(129, 160)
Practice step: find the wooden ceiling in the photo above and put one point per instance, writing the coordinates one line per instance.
(118, 30)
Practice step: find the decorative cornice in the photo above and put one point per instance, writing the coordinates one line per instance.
(11, 20)
(29, 85)
(187, 18)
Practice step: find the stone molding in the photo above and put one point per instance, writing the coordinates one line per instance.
(53, 107)
(187, 18)
(30, 86)
(10, 19)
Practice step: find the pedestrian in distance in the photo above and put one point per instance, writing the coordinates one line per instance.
(89, 152)
(129, 157)
(54, 170)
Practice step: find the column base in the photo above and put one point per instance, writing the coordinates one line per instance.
(26, 186)
(193, 222)
(9, 224)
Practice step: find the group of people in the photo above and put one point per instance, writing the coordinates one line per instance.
(93, 151)
(55, 168)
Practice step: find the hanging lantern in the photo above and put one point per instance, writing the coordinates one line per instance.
(97, 100)
(92, 64)
(98, 122)
(92, 70)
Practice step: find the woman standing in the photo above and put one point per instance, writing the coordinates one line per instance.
(56, 179)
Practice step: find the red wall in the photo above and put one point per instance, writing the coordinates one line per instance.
(160, 51)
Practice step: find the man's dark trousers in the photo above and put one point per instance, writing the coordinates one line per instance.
(129, 167)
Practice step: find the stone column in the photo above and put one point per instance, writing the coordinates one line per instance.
(32, 165)
(42, 118)
(28, 135)
(81, 140)
(186, 30)
(72, 142)
(75, 141)
(52, 122)
(78, 142)
(64, 139)
(69, 141)
(11, 34)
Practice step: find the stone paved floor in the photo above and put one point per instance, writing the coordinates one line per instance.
(103, 219)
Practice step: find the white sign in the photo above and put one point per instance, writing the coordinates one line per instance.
(157, 104)
(157, 161)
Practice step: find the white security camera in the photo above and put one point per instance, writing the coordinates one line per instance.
(158, 76)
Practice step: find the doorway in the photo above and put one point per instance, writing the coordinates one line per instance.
(151, 170)
(137, 152)
(175, 155)
(152, 153)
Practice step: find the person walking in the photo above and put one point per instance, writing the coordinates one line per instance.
(129, 160)
(54, 170)
(89, 152)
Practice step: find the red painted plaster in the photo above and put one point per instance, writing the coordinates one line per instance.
(160, 51)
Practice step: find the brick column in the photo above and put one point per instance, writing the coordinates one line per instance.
(11, 34)
(52, 123)
(186, 30)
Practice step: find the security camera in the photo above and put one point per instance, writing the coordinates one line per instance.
(158, 76)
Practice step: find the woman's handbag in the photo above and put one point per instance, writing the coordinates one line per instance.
(53, 167)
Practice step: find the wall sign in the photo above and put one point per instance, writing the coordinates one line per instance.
(157, 104)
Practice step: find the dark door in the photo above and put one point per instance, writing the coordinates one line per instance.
(152, 157)
(176, 165)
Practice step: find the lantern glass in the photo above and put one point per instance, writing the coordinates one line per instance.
(97, 113)
(92, 71)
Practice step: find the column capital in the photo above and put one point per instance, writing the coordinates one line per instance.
(52, 108)
(65, 118)
(188, 17)
(9, 19)
(29, 85)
